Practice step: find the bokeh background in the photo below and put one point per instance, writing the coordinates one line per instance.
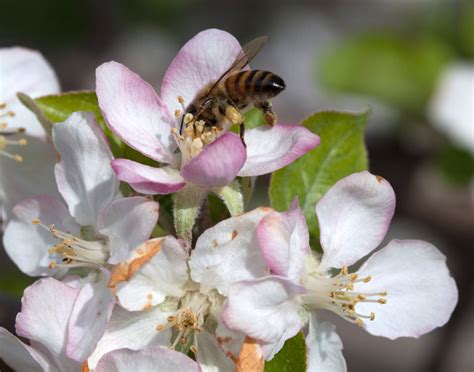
(395, 56)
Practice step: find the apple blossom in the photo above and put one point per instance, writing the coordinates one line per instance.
(172, 298)
(147, 122)
(24, 151)
(44, 320)
(94, 230)
(403, 290)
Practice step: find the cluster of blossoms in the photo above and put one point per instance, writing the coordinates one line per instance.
(116, 296)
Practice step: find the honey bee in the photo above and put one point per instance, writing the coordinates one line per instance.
(222, 102)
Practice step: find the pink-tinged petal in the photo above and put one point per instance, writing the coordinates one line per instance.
(133, 111)
(127, 222)
(202, 60)
(218, 164)
(38, 163)
(265, 309)
(148, 180)
(324, 347)
(24, 70)
(421, 295)
(210, 356)
(228, 252)
(27, 244)
(132, 330)
(45, 310)
(84, 175)
(354, 216)
(272, 148)
(90, 314)
(155, 269)
(19, 356)
(150, 359)
(284, 241)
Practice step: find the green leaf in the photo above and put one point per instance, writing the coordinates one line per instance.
(58, 107)
(455, 165)
(401, 72)
(31, 105)
(341, 152)
(291, 358)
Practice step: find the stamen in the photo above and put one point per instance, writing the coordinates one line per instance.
(338, 295)
(75, 252)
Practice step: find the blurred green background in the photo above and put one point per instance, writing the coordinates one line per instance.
(345, 55)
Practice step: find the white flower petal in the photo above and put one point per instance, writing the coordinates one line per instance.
(27, 244)
(19, 356)
(266, 310)
(202, 60)
(132, 330)
(149, 359)
(284, 240)
(210, 356)
(38, 162)
(421, 295)
(156, 269)
(84, 175)
(272, 148)
(228, 252)
(133, 111)
(45, 310)
(354, 216)
(324, 347)
(127, 222)
(90, 314)
(25, 70)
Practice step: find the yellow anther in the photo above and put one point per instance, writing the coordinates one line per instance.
(35, 221)
(171, 319)
(160, 327)
(180, 99)
(372, 316)
(182, 340)
(344, 270)
(22, 142)
(3, 105)
(177, 113)
(52, 265)
(193, 349)
(367, 279)
(382, 301)
(354, 277)
(359, 322)
(361, 297)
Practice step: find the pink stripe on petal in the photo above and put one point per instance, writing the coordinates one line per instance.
(133, 111)
(146, 179)
(269, 149)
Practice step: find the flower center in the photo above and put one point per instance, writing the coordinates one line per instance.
(195, 136)
(75, 251)
(188, 322)
(338, 295)
(7, 136)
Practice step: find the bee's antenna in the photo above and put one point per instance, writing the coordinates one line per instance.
(182, 124)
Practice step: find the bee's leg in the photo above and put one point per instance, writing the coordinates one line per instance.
(181, 125)
(235, 117)
(242, 133)
(268, 114)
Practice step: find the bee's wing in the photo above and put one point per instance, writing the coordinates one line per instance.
(248, 52)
